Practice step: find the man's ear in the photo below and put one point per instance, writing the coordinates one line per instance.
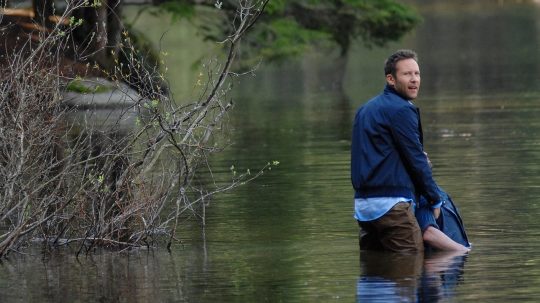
(390, 80)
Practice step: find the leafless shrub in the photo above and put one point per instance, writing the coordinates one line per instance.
(107, 178)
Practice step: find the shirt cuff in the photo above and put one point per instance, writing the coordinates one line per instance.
(437, 205)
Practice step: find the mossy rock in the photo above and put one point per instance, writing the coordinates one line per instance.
(85, 86)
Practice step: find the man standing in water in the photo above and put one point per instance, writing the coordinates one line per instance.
(389, 168)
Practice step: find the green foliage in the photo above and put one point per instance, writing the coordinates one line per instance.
(387, 21)
(289, 27)
(177, 9)
(96, 3)
(75, 22)
(276, 7)
(376, 22)
(282, 38)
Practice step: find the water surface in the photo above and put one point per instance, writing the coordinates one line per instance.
(289, 235)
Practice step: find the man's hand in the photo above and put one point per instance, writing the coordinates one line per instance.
(428, 161)
(437, 212)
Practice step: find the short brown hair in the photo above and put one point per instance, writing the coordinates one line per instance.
(402, 54)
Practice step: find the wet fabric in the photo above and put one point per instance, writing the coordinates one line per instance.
(449, 222)
(396, 231)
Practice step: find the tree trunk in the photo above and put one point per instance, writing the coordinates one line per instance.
(114, 29)
(340, 69)
(43, 9)
(100, 34)
(100, 43)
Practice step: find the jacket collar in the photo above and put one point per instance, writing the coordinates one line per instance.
(388, 89)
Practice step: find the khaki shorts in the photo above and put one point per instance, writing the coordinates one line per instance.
(397, 231)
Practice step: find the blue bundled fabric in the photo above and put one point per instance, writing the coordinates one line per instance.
(449, 221)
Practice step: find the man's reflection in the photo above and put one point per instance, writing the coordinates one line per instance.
(392, 277)
(443, 272)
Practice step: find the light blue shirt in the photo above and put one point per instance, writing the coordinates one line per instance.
(368, 209)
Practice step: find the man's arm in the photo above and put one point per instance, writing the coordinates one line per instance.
(441, 241)
(406, 133)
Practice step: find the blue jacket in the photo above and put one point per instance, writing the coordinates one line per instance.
(387, 155)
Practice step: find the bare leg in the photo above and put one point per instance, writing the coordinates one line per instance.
(439, 240)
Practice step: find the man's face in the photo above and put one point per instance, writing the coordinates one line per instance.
(407, 79)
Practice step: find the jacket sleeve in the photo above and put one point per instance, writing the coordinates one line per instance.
(406, 135)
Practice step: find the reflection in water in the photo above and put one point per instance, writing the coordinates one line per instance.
(388, 277)
(392, 277)
(443, 272)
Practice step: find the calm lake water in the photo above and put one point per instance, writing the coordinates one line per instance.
(289, 236)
